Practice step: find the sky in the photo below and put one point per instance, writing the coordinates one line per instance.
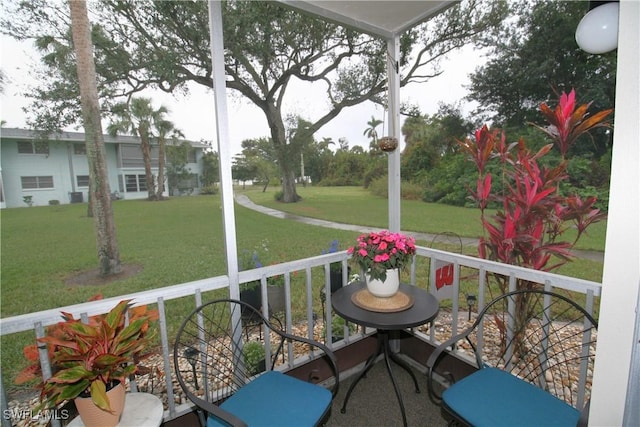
(195, 116)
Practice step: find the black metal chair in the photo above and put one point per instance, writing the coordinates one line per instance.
(534, 347)
(217, 373)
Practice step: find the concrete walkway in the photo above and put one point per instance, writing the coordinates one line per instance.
(243, 200)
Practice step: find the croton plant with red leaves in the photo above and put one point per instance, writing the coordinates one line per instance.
(87, 357)
(533, 217)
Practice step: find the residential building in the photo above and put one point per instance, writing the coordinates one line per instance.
(36, 173)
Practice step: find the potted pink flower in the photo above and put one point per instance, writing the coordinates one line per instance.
(382, 253)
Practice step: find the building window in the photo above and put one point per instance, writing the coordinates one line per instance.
(36, 182)
(32, 147)
(82, 180)
(191, 156)
(135, 183)
(80, 149)
(131, 156)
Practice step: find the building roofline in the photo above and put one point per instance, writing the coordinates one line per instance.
(17, 133)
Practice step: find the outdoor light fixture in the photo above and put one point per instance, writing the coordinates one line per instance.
(191, 355)
(471, 300)
(597, 32)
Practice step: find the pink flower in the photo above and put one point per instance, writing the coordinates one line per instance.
(381, 258)
(375, 252)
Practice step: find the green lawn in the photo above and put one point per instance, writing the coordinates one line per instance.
(355, 205)
(180, 240)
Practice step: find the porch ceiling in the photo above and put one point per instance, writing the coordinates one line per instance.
(379, 18)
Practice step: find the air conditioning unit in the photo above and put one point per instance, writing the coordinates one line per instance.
(76, 197)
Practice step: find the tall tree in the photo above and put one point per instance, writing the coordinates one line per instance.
(534, 58)
(177, 159)
(162, 45)
(210, 170)
(257, 161)
(140, 119)
(371, 131)
(100, 193)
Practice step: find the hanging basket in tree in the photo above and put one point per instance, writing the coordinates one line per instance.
(388, 143)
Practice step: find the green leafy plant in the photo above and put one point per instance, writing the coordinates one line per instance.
(277, 281)
(88, 357)
(254, 357)
(375, 252)
(337, 328)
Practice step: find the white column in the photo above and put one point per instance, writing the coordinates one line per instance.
(224, 152)
(621, 276)
(393, 76)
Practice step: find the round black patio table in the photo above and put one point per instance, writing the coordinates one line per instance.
(424, 309)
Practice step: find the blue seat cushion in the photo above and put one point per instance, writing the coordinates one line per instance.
(492, 397)
(274, 399)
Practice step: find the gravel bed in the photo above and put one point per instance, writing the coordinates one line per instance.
(22, 406)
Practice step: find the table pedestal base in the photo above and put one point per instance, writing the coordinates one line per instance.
(383, 348)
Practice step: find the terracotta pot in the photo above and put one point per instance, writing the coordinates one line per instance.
(386, 288)
(92, 416)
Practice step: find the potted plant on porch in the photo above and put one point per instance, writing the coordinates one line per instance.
(335, 268)
(90, 361)
(251, 292)
(381, 255)
(253, 354)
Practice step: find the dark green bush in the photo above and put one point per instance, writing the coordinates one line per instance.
(209, 190)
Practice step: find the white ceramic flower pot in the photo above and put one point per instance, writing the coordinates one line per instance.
(387, 288)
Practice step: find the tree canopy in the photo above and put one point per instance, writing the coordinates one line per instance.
(164, 45)
(533, 59)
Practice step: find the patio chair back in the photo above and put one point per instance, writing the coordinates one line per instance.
(217, 360)
(530, 348)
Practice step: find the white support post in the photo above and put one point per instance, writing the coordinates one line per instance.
(393, 77)
(621, 275)
(224, 152)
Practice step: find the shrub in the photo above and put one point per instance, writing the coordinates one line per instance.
(379, 187)
(411, 191)
(209, 190)
(278, 196)
(408, 190)
(254, 357)
(54, 202)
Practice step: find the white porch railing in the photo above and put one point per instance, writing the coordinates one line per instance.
(308, 268)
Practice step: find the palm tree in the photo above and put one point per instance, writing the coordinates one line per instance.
(325, 143)
(371, 132)
(165, 128)
(99, 191)
(139, 118)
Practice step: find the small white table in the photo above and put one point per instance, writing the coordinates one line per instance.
(140, 410)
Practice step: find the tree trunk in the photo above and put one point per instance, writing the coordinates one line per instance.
(279, 138)
(161, 145)
(146, 156)
(289, 194)
(100, 192)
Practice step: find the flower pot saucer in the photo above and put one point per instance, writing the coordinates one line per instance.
(366, 300)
